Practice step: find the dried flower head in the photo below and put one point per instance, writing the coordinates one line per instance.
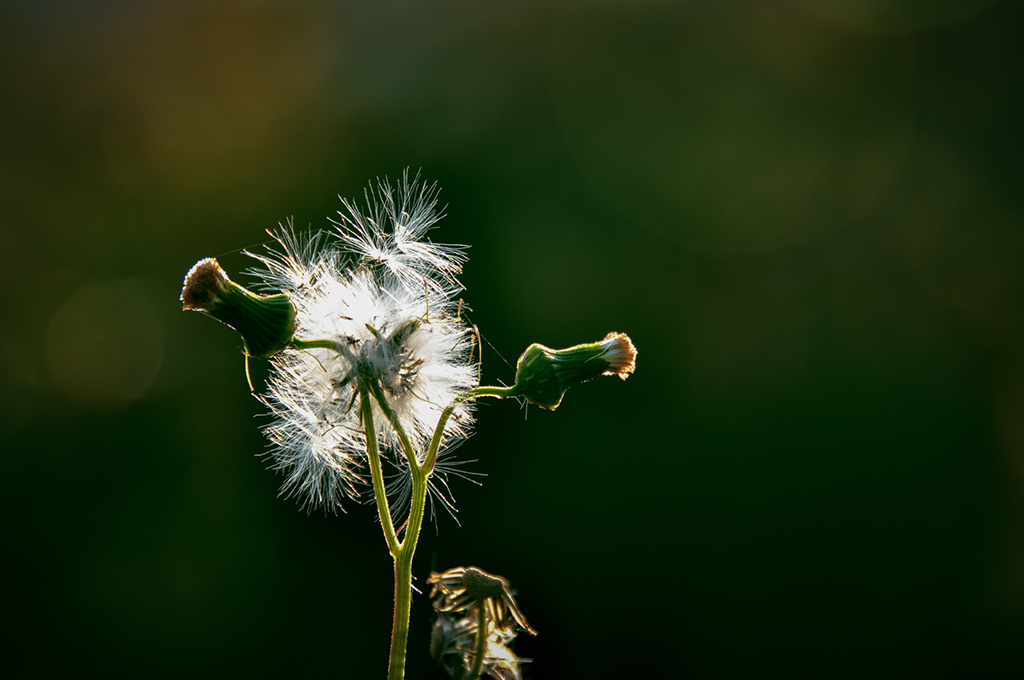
(374, 305)
(205, 286)
(460, 595)
(459, 588)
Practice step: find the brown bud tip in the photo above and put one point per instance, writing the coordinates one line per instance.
(205, 285)
(620, 354)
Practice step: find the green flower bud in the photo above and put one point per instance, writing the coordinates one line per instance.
(266, 322)
(544, 374)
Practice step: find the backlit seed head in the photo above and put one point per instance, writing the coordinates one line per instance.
(376, 304)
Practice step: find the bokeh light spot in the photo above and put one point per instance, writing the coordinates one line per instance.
(105, 344)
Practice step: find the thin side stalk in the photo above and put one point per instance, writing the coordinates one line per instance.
(435, 442)
(373, 453)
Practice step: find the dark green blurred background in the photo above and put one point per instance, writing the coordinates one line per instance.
(808, 216)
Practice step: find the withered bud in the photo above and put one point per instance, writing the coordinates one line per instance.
(266, 322)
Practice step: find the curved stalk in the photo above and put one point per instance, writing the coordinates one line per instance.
(406, 549)
(407, 447)
(470, 395)
(373, 453)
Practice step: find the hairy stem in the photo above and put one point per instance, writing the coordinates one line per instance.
(403, 576)
(404, 550)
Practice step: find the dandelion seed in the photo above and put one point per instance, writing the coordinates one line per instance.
(400, 253)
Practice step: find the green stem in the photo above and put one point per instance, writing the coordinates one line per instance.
(407, 447)
(407, 547)
(481, 642)
(376, 472)
(403, 575)
(404, 551)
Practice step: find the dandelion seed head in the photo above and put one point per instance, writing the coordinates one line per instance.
(383, 302)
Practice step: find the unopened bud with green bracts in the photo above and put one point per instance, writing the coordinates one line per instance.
(266, 322)
(544, 374)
